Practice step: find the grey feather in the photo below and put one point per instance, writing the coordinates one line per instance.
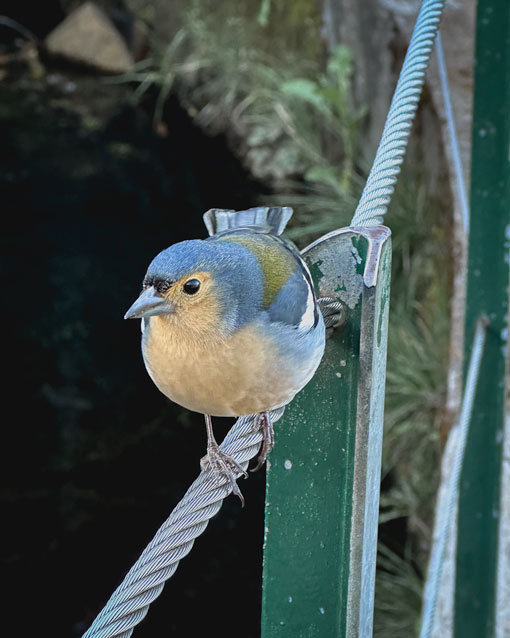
(290, 303)
(264, 219)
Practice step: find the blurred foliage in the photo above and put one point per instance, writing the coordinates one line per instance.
(398, 595)
(288, 113)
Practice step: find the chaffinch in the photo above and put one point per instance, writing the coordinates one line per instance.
(230, 324)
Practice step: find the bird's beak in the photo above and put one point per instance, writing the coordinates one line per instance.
(149, 303)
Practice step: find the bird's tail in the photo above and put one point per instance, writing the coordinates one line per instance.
(264, 219)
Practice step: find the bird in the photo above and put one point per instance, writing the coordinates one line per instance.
(231, 325)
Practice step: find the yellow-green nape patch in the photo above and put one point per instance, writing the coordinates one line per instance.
(275, 260)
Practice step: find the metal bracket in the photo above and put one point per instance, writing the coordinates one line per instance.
(324, 478)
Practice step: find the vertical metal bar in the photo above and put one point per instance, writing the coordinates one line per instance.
(487, 292)
(324, 474)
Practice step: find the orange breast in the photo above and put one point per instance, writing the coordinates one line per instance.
(241, 375)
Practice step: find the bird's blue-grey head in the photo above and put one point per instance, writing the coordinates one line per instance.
(204, 277)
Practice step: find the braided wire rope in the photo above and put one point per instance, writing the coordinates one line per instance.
(144, 582)
(446, 508)
(390, 154)
(446, 514)
(452, 134)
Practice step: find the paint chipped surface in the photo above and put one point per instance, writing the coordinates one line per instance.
(319, 433)
(339, 274)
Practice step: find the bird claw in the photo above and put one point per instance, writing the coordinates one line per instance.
(222, 465)
(267, 442)
(333, 312)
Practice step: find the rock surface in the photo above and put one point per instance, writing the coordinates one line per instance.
(88, 36)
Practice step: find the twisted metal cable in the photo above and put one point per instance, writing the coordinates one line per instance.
(144, 582)
(452, 134)
(446, 513)
(390, 154)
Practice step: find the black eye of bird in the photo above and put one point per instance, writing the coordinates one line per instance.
(191, 287)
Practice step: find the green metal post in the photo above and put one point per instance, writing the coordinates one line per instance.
(324, 474)
(487, 292)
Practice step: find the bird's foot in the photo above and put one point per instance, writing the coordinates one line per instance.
(222, 465)
(333, 312)
(268, 440)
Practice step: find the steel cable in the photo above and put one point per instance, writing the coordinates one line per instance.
(452, 134)
(382, 177)
(452, 487)
(144, 582)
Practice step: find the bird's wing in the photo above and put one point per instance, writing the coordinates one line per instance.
(288, 290)
(295, 303)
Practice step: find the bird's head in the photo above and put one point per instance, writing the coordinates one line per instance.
(210, 288)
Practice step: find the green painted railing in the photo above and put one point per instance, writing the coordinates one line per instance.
(488, 280)
(323, 478)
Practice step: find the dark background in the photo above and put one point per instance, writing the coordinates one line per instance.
(94, 457)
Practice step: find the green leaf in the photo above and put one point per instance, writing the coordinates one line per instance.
(324, 175)
(305, 90)
(340, 62)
